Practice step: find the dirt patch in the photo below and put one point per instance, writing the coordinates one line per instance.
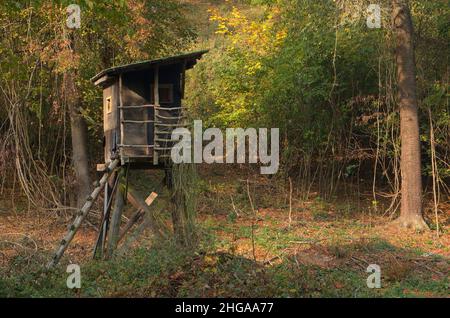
(28, 235)
(315, 256)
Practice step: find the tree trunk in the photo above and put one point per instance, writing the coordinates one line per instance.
(411, 187)
(177, 206)
(79, 154)
(79, 134)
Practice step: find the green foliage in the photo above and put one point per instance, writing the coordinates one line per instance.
(37, 52)
(326, 80)
(166, 270)
(286, 78)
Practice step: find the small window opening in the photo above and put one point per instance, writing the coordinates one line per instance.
(108, 105)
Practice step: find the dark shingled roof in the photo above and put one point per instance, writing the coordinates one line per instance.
(191, 59)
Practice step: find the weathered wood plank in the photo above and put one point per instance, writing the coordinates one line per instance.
(137, 216)
(110, 187)
(136, 200)
(114, 226)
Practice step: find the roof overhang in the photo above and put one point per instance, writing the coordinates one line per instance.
(105, 76)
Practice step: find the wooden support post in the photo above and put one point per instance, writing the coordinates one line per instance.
(83, 212)
(156, 100)
(101, 233)
(120, 117)
(114, 227)
(109, 191)
(110, 188)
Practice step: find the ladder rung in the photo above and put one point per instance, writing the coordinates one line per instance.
(163, 148)
(160, 132)
(169, 125)
(136, 146)
(167, 108)
(169, 148)
(164, 140)
(166, 117)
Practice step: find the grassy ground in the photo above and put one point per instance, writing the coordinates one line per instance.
(243, 251)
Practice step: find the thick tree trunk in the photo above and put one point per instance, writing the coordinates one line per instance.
(79, 135)
(79, 154)
(411, 188)
(177, 206)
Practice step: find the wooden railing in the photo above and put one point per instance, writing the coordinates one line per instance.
(163, 125)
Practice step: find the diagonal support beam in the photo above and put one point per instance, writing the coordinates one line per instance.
(138, 202)
(114, 226)
(137, 216)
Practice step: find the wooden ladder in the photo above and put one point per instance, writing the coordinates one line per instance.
(82, 213)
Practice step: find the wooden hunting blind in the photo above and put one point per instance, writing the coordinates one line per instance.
(141, 107)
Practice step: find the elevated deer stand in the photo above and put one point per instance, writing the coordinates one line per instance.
(141, 107)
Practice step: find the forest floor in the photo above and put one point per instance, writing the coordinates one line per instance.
(324, 251)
